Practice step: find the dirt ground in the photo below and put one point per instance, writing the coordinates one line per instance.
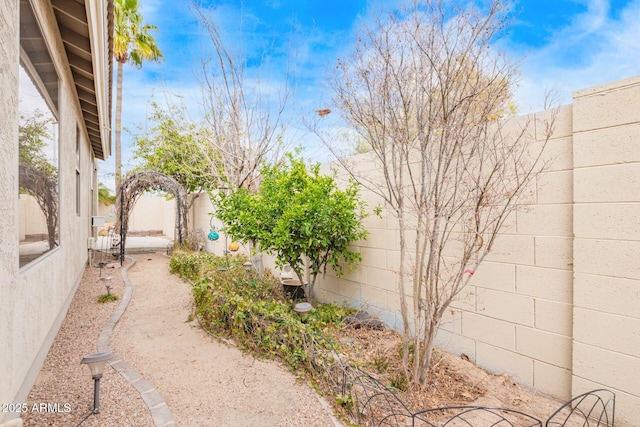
(182, 361)
(205, 382)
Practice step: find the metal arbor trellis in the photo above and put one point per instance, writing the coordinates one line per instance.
(137, 183)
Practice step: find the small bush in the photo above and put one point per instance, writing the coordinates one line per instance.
(251, 308)
(380, 361)
(107, 298)
(196, 265)
(399, 382)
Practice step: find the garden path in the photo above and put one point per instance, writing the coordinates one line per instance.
(204, 382)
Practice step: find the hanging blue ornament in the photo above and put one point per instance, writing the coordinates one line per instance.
(213, 235)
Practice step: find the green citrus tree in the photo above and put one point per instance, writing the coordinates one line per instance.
(298, 214)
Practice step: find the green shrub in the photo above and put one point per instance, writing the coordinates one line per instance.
(107, 298)
(251, 309)
(194, 265)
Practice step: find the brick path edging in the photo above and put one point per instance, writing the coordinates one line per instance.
(160, 412)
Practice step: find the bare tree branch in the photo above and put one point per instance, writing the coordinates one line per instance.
(244, 113)
(432, 98)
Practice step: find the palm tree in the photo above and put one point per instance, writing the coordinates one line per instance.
(132, 43)
(104, 195)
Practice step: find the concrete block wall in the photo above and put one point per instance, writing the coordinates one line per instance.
(200, 219)
(556, 304)
(516, 315)
(373, 286)
(152, 212)
(606, 287)
(520, 318)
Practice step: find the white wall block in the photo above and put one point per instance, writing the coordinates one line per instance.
(507, 306)
(555, 187)
(561, 118)
(465, 300)
(545, 220)
(615, 258)
(452, 321)
(544, 346)
(615, 183)
(498, 333)
(500, 361)
(358, 274)
(513, 249)
(609, 331)
(548, 283)
(456, 343)
(608, 146)
(606, 367)
(552, 379)
(555, 154)
(495, 275)
(619, 221)
(381, 239)
(608, 105)
(552, 316)
(382, 278)
(554, 252)
(380, 298)
(372, 257)
(608, 294)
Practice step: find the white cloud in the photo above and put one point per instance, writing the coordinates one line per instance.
(594, 49)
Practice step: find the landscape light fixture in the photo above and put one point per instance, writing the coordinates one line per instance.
(96, 364)
(302, 308)
(106, 281)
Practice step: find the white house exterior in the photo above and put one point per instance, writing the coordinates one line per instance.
(65, 46)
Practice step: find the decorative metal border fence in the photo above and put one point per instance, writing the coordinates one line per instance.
(371, 403)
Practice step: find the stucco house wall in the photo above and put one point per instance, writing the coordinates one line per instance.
(34, 298)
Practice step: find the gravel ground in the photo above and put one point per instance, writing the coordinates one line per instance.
(204, 382)
(65, 382)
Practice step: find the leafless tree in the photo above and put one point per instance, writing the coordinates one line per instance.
(244, 112)
(431, 96)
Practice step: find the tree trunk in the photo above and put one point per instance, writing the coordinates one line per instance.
(427, 353)
(406, 331)
(118, 147)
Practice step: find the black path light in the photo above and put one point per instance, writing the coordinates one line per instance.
(96, 364)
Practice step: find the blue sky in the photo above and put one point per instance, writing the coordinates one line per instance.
(564, 45)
